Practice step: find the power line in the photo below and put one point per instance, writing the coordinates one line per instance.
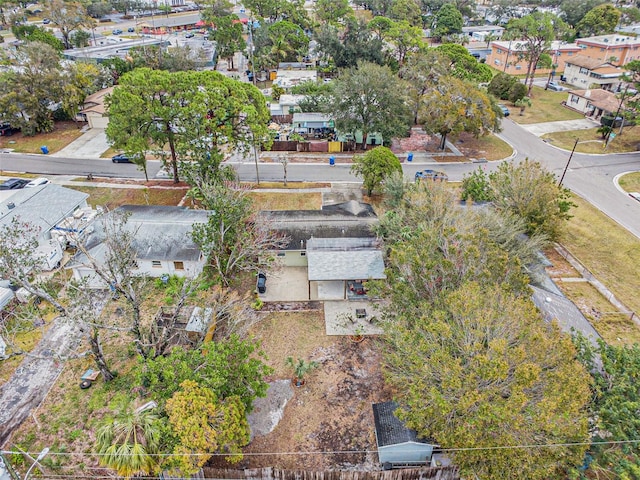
(343, 452)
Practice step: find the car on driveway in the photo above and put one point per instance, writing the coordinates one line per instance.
(7, 130)
(434, 175)
(36, 182)
(46, 21)
(121, 158)
(505, 110)
(14, 184)
(261, 283)
(555, 87)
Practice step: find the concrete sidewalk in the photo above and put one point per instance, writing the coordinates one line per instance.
(91, 144)
(539, 129)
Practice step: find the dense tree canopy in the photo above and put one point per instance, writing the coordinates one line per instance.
(375, 166)
(369, 99)
(455, 106)
(195, 113)
(448, 21)
(463, 65)
(472, 361)
(600, 20)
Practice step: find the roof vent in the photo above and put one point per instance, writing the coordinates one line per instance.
(11, 205)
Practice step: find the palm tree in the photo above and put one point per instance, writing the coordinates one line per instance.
(128, 443)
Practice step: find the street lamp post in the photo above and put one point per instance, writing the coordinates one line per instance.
(42, 454)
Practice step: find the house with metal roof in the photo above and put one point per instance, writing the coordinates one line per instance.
(335, 246)
(162, 241)
(41, 207)
(397, 444)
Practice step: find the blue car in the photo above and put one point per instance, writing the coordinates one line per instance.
(261, 283)
(121, 158)
(117, 31)
(505, 110)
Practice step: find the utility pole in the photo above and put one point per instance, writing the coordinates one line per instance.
(566, 167)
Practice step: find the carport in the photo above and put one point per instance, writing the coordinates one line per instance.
(333, 262)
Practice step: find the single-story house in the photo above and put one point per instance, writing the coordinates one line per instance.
(593, 103)
(309, 123)
(584, 72)
(163, 243)
(479, 33)
(42, 207)
(286, 105)
(336, 245)
(397, 444)
(94, 109)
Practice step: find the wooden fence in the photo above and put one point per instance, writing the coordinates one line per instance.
(430, 473)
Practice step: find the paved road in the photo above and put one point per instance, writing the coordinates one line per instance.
(590, 176)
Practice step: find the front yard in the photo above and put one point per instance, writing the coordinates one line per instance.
(63, 134)
(590, 141)
(546, 106)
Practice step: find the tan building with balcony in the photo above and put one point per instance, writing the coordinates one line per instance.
(507, 56)
(615, 48)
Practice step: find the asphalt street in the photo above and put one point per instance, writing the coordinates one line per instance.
(590, 176)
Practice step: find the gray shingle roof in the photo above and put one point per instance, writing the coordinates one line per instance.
(162, 233)
(389, 429)
(344, 220)
(344, 259)
(42, 207)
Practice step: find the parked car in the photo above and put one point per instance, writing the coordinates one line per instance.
(121, 158)
(36, 182)
(434, 175)
(261, 282)
(189, 35)
(555, 87)
(7, 130)
(505, 110)
(131, 29)
(14, 184)
(116, 31)
(46, 21)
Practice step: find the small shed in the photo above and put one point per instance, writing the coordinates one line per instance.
(397, 444)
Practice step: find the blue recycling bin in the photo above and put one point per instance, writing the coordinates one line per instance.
(410, 157)
(332, 160)
(44, 149)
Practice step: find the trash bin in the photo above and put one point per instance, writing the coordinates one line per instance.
(410, 157)
(44, 149)
(332, 160)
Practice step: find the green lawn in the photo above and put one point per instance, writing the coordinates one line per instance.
(63, 134)
(630, 182)
(590, 141)
(546, 106)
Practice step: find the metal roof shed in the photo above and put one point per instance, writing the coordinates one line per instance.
(344, 259)
(397, 444)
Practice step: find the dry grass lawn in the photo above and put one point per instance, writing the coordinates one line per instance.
(115, 197)
(489, 146)
(611, 253)
(630, 182)
(593, 142)
(546, 106)
(63, 134)
(286, 201)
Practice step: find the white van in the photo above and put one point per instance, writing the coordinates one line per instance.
(36, 182)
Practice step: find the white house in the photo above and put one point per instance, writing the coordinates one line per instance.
(163, 243)
(593, 103)
(94, 110)
(584, 72)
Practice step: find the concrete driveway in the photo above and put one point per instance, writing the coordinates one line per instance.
(91, 144)
(539, 129)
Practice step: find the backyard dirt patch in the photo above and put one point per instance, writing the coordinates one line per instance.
(331, 414)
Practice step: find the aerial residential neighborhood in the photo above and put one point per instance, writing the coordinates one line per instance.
(330, 239)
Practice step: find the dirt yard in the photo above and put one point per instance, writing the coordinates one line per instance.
(331, 414)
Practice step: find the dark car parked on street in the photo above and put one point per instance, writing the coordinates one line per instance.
(14, 184)
(261, 283)
(434, 175)
(121, 158)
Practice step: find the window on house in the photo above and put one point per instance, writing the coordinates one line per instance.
(574, 99)
(178, 265)
(156, 263)
(496, 61)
